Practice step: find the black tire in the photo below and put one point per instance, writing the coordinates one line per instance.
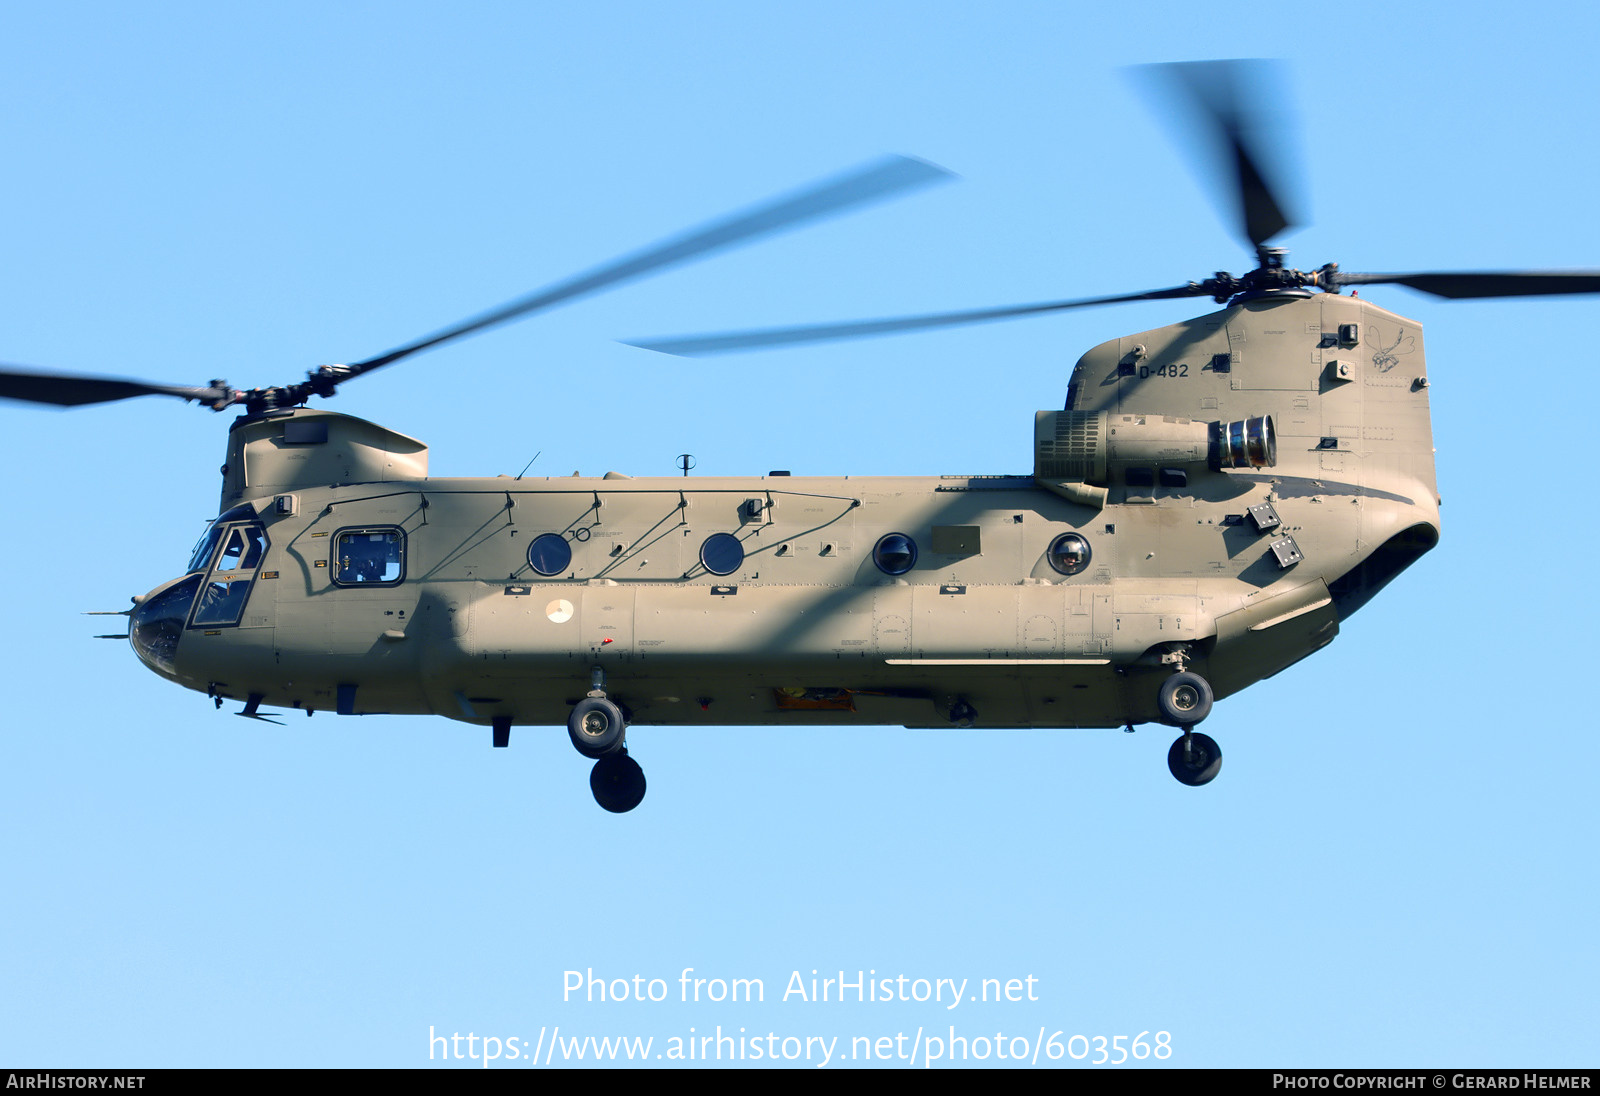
(1184, 699)
(617, 782)
(596, 726)
(1197, 765)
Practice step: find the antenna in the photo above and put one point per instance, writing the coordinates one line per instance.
(529, 465)
(686, 461)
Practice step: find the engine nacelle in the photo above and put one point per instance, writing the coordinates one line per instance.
(1089, 446)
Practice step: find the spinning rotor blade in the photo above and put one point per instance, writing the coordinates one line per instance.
(892, 174)
(76, 390)
(1226, 95)
(1460, 285)
(856, 188)
(701, 345)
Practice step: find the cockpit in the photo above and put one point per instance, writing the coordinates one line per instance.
(211, 594)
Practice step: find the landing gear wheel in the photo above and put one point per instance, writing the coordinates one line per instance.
(596, 726)
(617, 782)
(1195, 759)
(1184, 699)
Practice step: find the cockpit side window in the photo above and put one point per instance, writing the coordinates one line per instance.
(369, 557)
(227, 588)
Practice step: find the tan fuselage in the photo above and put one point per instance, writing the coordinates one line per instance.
(808, 627)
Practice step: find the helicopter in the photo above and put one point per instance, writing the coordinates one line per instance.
(1214, 498)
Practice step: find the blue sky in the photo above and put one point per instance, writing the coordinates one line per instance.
(1394, 869)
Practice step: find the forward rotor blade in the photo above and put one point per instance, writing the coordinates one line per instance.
(75, 390)
(1460, 285)
(895, 173)
(693, 346)
(1225, 95)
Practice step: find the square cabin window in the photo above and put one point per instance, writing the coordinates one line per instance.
(369, 557)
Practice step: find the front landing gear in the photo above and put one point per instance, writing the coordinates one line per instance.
(1195, 759)
(617, 782)
(597, 725)
(598, 728)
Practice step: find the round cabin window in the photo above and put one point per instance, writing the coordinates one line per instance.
(549, 554)
(721, 554)
(1069, 553)
(895, 554)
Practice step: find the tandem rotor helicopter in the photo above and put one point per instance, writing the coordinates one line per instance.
(1216, 496)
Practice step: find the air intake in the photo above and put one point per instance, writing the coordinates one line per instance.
(1249, 443)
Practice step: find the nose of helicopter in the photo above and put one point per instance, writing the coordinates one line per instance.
(156, 624)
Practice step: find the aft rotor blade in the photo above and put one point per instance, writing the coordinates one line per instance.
(702, 345)
(75, 390)
(1459, 285)
(1227, 96)
(888, 176)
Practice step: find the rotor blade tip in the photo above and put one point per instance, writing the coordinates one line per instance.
(916, 165)
(656, 347)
